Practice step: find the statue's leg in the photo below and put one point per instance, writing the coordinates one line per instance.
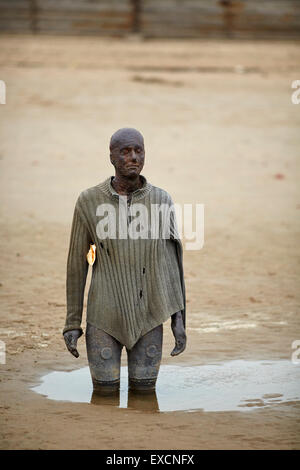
(104, 356)
(144, 361)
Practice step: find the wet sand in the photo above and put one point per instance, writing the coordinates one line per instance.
(220, 129)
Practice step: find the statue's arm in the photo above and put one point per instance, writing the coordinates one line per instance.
(179, 333)
(178, 318)
(77, 269)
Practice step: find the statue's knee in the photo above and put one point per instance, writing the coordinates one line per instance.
(142, 385)
(152, 350)
(143, 367)
(106, 353)
(104, 364)
(106, 387)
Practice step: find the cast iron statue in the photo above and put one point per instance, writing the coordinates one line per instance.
(127, 155)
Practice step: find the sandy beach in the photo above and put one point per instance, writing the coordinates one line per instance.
(220, 129)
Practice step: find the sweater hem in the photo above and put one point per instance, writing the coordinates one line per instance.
(129, 345)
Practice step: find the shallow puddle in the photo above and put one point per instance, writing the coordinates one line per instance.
(228, 386)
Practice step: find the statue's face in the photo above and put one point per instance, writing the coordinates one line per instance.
(128, 155)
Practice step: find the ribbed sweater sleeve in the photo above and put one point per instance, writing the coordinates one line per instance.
(174, 236)
(77, 269)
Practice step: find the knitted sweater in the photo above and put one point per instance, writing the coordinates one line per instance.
(136, 284)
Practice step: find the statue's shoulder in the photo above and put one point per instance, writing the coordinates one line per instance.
(89, 196)
(161, 195)
(89, 192)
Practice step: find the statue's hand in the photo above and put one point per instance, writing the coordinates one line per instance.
(179, 333)
(71, 338)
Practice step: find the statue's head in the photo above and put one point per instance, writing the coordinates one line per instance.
(127, 152)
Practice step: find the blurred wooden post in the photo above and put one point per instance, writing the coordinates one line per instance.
(136, 9)
(231, 11)
(33, 11)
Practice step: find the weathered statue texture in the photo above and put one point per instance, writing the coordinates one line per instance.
(137, 281)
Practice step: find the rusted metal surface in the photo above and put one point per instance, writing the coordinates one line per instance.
(104, 357)
(144, 361)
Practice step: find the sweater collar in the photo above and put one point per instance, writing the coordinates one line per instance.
(139, 193)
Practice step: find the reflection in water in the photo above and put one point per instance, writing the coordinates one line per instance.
(234, 385)
(108, 400)
(135, 400)
(142, 401)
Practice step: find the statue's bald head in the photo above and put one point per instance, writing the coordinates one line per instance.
(127, 152)
(126, 136)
